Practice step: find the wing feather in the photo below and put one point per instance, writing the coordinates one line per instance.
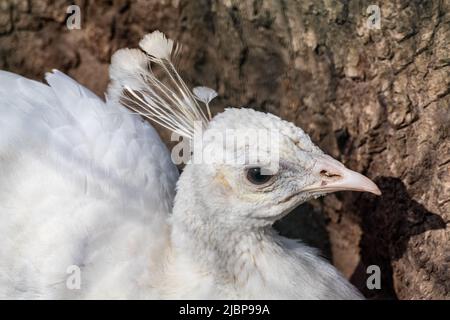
(82, 182)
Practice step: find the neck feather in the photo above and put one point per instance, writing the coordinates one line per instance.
(223, 248)
(224, 252)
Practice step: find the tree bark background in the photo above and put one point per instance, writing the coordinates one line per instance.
(377, 100)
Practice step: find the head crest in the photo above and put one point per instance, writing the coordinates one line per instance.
(168, 102)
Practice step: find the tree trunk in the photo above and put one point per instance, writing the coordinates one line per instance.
(376, 99)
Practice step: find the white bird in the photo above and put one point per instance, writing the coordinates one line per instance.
(88, 208)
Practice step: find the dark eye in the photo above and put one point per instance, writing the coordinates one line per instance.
(254, 176)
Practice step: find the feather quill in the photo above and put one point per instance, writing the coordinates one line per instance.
(205, 95)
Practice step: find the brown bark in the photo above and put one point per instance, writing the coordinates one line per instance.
(378, 100)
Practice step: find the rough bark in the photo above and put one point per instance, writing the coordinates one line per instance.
(378, 100)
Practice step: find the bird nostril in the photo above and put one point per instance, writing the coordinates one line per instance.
(327, 174)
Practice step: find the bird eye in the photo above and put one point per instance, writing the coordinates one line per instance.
(255, 176)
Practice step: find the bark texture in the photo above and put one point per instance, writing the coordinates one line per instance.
(378, 100)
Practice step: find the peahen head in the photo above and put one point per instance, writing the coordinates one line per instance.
(248, 168)
(256, 168)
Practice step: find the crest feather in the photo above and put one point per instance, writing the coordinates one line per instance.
(157, 45)
(127, 62)
(167, 101)
(204, 94)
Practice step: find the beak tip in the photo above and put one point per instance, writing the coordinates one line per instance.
(377, 192)
(373, 188)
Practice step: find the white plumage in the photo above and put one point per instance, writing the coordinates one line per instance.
(81, 183)
(88, 183)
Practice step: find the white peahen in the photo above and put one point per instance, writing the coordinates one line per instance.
(88, 183)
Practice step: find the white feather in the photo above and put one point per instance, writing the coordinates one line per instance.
(128, 67)
(204, 94)
(168, 102)
(157, 45)
(81, 183)
(128, 64)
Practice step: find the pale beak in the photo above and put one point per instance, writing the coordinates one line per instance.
(334, 176)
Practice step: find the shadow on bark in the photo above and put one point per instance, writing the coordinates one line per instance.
(388, 222)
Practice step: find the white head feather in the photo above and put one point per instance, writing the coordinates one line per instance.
(205, 95)
(169, 103)
(157, 45)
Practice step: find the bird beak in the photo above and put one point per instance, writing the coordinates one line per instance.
(334, 176)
